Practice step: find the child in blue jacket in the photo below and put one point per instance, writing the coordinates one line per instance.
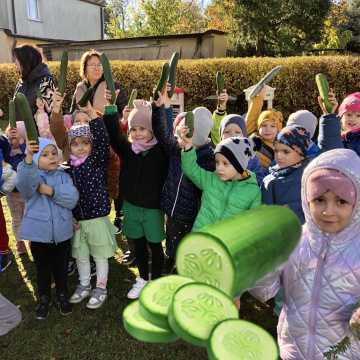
(49, 195)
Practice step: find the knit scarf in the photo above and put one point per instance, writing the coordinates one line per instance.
(77, 161)
(140, 146)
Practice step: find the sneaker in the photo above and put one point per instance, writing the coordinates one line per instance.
(128, 258)
(98, 297)
(63, 305)
(135, 291)
(43, 308)
(81, 293)
(5, 261)
(92, 267)
(118, 225)
(71, 267)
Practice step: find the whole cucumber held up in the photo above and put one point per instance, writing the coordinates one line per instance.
(189, 122)
(63, 72)
(323, 87)
(12, 114)
(108, 76)
(235, 253)
(26, 114)
(162, 81)
(132, 97)
(220, 83)
(172, 72)
(86, 97)
(264, 81)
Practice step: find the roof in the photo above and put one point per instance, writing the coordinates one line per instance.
(95, 2)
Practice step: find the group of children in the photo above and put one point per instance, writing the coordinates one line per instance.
(169, 168)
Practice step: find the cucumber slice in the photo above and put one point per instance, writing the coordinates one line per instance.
(196, 309)
(235, 253)
(156, 297)
(141, 329)
(241, 340)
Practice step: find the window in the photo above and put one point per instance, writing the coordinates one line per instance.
(33, 10)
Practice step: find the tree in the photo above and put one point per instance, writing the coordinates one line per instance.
(220, 15)
(116, 18)
(271, 27)
(353, 15)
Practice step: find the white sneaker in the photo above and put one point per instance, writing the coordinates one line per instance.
(135, 291)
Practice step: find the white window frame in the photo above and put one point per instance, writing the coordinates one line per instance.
(29, 4)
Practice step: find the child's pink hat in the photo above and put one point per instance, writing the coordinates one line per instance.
(323, 180)
(350, 103)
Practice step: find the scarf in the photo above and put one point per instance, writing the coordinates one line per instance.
(77, 161)
(140, 146)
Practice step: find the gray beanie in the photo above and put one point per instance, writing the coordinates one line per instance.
(203, 123)
(238, 150)
(233, 119)
(305, 119)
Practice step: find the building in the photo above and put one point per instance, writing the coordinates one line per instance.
(48, 21)
(208, 44)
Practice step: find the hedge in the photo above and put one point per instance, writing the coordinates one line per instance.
(295, 85)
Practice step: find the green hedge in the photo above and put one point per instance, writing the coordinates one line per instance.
(295, 85)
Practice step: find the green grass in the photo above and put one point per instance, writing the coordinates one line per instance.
(90, 334)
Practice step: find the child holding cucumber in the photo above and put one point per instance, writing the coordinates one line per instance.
(321, 278)
(229, 190)
(50, 195)
(145, 166)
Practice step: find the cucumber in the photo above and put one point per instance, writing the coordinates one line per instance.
(323, 87)
(63, 72)
(220, 83)
(12, 114)
(264, 81)
(241, 340)
(235, 253)
(155, 299)
(86, 97)
(172, 72)
(196, 309)
(132, 97)
(141, 329)
(189, 122)
(162, 81)
(23, 106)
(108, 77)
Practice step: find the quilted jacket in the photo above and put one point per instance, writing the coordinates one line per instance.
(321, 280)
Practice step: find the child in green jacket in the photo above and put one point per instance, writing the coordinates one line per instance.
(229, 190)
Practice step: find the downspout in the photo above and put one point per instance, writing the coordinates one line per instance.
(13, 15)
(102, 22)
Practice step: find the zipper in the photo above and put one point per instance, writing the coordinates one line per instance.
(177, 194)
(227, 200)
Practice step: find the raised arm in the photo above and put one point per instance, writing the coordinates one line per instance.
(101, 143)
(253, 114)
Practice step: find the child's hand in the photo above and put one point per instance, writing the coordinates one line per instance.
(222, 100)
(126, 113)
(186, 142)
(12, 133)
(90, 111)
(333, 101)
(108, 95)
(161, 100)
(167, 100)
(46, 190)
(1, 113)
(31, 148)
(237, 302)
(355, 323)
(57, 101)
(76, 226)
(264, 91)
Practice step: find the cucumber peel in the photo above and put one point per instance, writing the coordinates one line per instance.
(132, 97)
(162, 81)
(264, 81)
(220, 83)
(141, 329)
(235, 253)
(63, 72)
(323, 87)
(172, 72)
(156, 297)
(196, 309)
(189, 122)
(12, 114)
(241, 340)
(108, 77)
(23, 106)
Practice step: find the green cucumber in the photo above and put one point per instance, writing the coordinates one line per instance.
(155, 299)
(220, 83)
(12, 114)
(63, 72)
(162, 81)
(264, 81)
(108, 77)
(323, 87)
(196, 309)
(141, 329)
(189, 122)
(235, 253)
(23, 106)
(172, 72)
(132, 97)
(86, 97)
(241, 340)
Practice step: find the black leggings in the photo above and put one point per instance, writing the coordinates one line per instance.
(142, 258)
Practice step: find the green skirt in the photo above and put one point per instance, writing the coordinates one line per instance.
(96, 237)
(141, 222)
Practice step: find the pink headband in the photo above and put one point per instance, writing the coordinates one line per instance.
(323, 180)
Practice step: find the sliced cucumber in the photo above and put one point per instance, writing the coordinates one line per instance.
(196, 309)
(156, 297)
(235, 253)
(241, 340)
(141, 329)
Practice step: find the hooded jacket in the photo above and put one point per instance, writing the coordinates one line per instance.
(321, 280)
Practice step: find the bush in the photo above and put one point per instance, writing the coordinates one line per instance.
(295, 85)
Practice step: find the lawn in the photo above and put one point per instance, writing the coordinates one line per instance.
(90, 334)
